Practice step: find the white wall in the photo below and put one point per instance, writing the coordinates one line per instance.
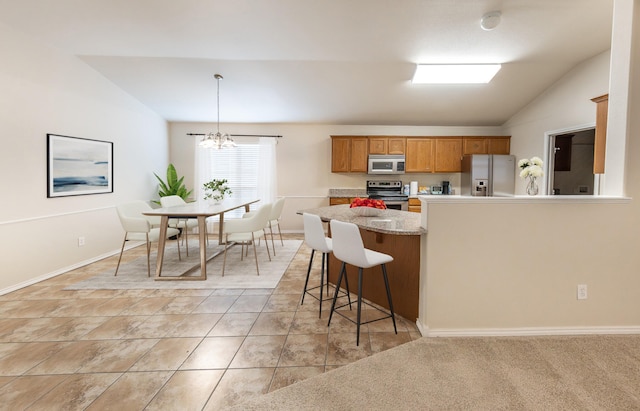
(45, 91)
(513, 268)
(304, 158)
(565, 105)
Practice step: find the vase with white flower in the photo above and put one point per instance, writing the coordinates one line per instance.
(531, 169)
(216, 190)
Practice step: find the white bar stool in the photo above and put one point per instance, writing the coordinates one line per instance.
(317, 241)
(348, 248)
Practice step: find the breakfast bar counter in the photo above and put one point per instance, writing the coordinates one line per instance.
(387, 221)
(393, 232)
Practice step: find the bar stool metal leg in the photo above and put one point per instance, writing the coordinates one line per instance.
(335, 295)
(306, 282)
(324, 282)
(386, 284)
(359, 305)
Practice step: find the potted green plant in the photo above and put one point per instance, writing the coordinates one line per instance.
(215, 190)
(174, 186)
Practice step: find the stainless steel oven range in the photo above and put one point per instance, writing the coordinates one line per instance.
(391, 192)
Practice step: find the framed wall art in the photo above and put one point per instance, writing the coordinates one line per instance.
(78, 166)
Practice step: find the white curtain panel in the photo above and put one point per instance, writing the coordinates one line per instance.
(250, 169)
(267, 176)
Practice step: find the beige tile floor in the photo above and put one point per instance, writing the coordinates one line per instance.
(170, 349)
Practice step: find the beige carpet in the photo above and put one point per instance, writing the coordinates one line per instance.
(507, 373)
(238, 273)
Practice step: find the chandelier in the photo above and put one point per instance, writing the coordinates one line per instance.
(217, 140)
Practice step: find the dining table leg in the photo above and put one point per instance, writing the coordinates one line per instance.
(220, 227)
(202, 234)
(164, 223)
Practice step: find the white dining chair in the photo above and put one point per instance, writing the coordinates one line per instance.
(274, 221)
(139, 227)
(348, 248)
(246, 231)
(182, 224)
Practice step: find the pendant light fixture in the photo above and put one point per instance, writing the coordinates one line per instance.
(217, 141)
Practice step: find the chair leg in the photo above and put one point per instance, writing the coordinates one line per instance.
(255, 252)
(179, 255)
(186, 237)
(148, 260)
(224, 260)
(326, 255)
(346, 284)
(121, 251)
(359, 305)
(306, 282)
(280, 233)
(266, 244)
(386, 284)
(322, 281)
(335, 295)
(272, 243)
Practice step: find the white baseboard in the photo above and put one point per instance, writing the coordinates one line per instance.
(65, 269)
(525, 331)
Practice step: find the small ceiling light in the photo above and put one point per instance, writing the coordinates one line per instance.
(455, 73)
(490, 20)
(217, 141)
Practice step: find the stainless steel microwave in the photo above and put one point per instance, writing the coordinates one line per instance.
(386, 164)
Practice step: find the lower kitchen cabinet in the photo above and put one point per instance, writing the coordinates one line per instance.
(339, 200)
(414, 205)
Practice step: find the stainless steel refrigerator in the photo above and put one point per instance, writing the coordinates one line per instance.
(488, 175)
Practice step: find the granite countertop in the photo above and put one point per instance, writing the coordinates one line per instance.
(347, 192)
(388, 222)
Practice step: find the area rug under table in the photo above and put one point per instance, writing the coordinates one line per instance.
(238, 273)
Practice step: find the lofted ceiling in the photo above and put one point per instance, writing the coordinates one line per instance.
(330, 61)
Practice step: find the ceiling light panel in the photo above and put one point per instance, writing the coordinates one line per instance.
(455, 73)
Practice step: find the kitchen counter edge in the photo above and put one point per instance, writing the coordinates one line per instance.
(559, 199)
(404, 222)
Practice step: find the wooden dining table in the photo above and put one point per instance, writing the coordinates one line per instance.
(201, 211)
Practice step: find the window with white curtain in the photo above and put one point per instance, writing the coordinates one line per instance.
(250, 169)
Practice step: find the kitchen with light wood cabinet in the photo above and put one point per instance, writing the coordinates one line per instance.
(486, 145)
(414, 205)
(602, 108)
(419, 155)
(441, 154)
(349, 154)
(448, 154)
(339, 200)
(387, 145)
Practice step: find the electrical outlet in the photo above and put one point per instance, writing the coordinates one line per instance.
(582, 291)
(80, 241)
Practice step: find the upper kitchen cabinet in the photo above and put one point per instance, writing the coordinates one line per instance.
(448, 155)
(499, 145)
(419, 155)
(486, 145)
(387, 145)
(349, 154)
(475, 145)
(602, 107)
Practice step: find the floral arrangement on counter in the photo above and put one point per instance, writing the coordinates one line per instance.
(531, 169)
(368, 202)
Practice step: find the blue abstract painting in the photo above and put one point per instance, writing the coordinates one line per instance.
(78, 166)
